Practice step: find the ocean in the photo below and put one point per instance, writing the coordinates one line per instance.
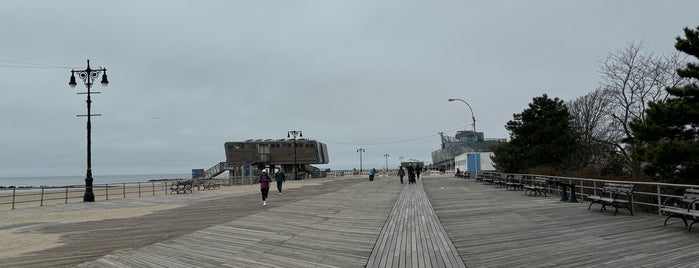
(80, 180)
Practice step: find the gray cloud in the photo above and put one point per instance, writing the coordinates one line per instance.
(187, 76)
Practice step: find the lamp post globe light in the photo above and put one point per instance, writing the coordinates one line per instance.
(360, 151)
(294, 134)
(89, 75)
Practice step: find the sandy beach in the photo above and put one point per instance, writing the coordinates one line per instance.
(16, 226)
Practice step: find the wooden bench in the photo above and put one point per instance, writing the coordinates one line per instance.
(616, 195)
(210, 184)
(514, 183)
(488, 178)
(536, 186)
(181, 187)
(684, 208)
(500, 180)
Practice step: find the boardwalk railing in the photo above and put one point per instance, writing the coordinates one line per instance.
(646, 195)
(40, 196)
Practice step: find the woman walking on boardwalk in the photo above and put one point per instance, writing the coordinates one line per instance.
(264, 186)
(401, 174)
(280, 178)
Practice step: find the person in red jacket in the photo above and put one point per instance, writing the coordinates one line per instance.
(264, 186)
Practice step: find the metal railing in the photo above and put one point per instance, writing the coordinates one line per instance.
(11, 198)
(649, 196)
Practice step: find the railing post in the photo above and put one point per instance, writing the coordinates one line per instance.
(106, 191)
(123, 187)
(153, 184)
(41, 203)
(13, 197)
(139, 189)
(66, 194)
(660, 203)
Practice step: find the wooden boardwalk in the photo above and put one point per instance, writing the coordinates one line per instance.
(357, 223)
(413, 235)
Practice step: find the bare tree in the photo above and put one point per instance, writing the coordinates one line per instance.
(632, 78)
(591, 122)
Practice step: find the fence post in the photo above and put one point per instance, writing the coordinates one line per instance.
(153, 184)
(41, 203)
(66, 194)
(139, 189)
(13, 197)
(659, 199)
(123, 187)
(106, 191)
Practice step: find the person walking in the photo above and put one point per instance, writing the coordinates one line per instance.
(371, 174)
(264, 186)
(417, 171)
(280, 178)
(411, 174)
(401, 174)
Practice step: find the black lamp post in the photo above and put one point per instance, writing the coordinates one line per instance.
(360, 151)
(386, 156)
(294, 133)
(88, 76)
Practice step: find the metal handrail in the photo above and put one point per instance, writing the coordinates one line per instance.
(585, 187)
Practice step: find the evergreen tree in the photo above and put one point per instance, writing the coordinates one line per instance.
(540, 137)
(668, 135)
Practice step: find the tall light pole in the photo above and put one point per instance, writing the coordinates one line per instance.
(88, 76)
(401, 161)
(475, 147)
(473, 117)
(294, 133)
(360, 151)
(386, 155)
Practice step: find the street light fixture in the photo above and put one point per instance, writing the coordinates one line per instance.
(360, 151)
(475, 147)
(88, 75)
(386, 155)
(294, 133)
(469, 107)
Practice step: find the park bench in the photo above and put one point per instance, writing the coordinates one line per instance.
(514, 183)
(210, 185)
(684, 208)
(536, 186)
(181, 187)
(614, 194)
(487, 178)
(500, 180)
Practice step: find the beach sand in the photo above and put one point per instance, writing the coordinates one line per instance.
(18, 229)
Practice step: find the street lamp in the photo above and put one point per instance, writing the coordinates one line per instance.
(469, 107)
(294, 133)
(360, 151)
(386, 155)
(401, 161)
(88, 76)
(475, 146)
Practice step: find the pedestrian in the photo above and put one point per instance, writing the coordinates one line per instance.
(280, 178)
(401, 174)
(371, 174)
(411, 174)
(264, 186)
(417, 171)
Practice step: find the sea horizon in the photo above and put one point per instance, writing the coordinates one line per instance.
(60, 181)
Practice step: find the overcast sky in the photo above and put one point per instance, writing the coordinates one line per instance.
(188, 76)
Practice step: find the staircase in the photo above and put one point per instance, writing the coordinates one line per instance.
(221, 167)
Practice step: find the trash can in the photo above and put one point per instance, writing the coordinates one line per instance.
(371, 177)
